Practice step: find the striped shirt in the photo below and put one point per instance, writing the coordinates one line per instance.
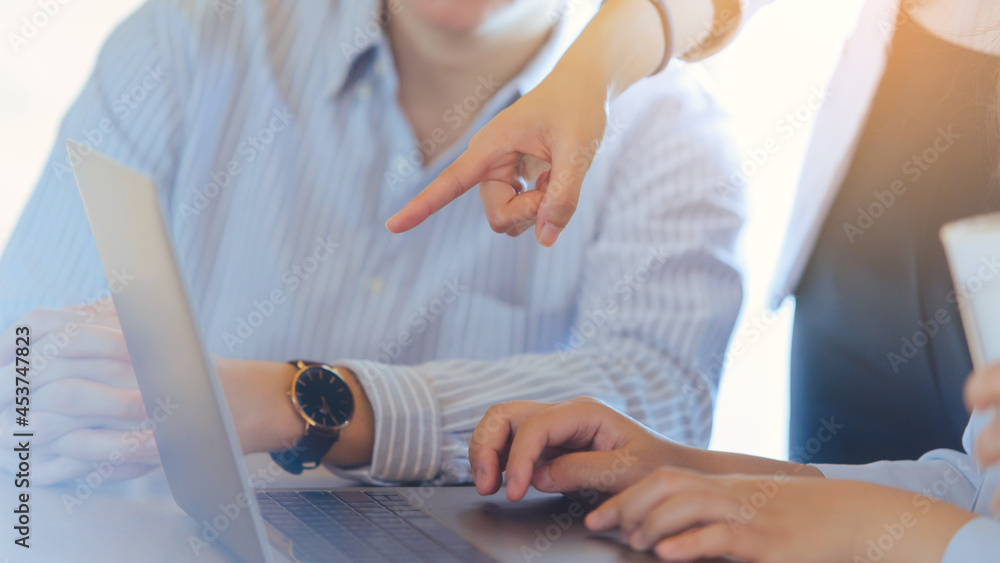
(273, 133)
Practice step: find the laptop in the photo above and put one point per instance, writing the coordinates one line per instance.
(203, 462)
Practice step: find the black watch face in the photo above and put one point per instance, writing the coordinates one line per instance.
(324, 397)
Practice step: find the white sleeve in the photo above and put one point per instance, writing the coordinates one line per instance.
(944, 474)
(976, 542)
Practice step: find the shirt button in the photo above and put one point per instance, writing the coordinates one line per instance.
(376, 285)
(379, 68)
(364, 91)
(403, 165)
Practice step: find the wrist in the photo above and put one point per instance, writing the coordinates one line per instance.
(257, 396)
(356, 442)
(622, 44)
(929, 523)
(267, 421)
(725, 463)
(693, 24)
(691, 458)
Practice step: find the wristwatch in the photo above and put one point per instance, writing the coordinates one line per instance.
(321, 396)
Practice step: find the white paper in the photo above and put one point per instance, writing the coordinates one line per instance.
(973, 249)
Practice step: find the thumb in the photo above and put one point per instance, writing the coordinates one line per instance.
(582, 470)
(562, 193)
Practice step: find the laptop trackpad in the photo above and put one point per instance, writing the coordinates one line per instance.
(540, 528)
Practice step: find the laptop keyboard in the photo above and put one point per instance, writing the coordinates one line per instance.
(362, 526)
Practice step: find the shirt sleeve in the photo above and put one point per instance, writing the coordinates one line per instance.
(726, 22)
(730, 15)
(127, 110)
(659, 297)
(695, 40)
(976, 542)
(943, 474)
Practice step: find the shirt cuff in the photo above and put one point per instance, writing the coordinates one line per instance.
(407, 445)
(871, 473)
(976, 542)
(726, 24)
(922, 476)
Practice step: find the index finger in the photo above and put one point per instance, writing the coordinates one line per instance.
(490, 440)
(467, 171)
(570, 425)
(628, 508)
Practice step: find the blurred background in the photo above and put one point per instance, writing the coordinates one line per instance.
(785, 54)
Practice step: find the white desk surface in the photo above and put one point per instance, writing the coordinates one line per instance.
(124, 522)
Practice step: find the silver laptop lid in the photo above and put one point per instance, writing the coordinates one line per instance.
(197, 442)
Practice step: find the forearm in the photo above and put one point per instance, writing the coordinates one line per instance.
(266, 420)
(726, 463)
(623, 43)
(626, 41)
